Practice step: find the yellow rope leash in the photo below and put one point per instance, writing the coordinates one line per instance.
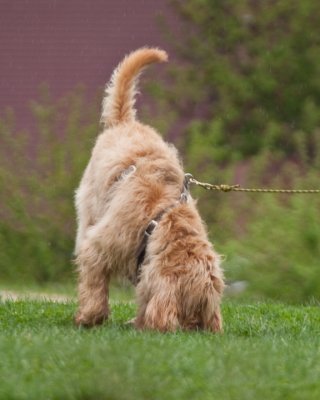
(237, 188)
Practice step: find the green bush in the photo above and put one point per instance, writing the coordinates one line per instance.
(247, 81)
(247, 77)
(39, 171)
(272, 241)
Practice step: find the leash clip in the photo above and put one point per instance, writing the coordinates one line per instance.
(151, 227)
(186, 187)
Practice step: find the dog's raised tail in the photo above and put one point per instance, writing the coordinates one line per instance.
(118, 104)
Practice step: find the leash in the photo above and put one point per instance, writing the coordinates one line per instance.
(238, 188)
(189, 179)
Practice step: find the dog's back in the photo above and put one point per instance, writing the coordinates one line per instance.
(107, 187)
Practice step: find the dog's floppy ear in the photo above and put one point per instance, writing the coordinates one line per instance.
(212, 316)
(161, 312)
(217, 283)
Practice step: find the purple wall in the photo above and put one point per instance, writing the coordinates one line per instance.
(66, 42)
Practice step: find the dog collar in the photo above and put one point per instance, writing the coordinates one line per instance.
(141, 253)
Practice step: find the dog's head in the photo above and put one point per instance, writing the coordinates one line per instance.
(181, 280)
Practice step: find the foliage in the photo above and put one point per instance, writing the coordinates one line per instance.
(39, 171)
(273, 241)
(247, 79)
(246, 94)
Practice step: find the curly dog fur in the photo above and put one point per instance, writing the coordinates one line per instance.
(133, 176)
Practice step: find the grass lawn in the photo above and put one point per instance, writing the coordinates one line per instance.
(268, 351)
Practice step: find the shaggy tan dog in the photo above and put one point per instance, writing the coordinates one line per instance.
(136, 218)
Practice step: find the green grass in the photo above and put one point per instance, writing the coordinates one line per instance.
(268, 351)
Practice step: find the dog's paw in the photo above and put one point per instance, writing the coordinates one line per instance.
(89, 321)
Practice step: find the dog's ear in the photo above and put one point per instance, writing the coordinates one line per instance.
(217, 283)
(161, 313)
(201, 296)
(212, 317)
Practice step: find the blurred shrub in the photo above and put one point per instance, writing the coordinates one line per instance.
(248, 76)
(39, 171)
(280, 252)
(270, 241)
(246, 93)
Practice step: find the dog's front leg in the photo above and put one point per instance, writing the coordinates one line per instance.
(93, 285)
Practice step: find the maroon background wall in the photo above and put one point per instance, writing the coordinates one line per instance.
(66, 42)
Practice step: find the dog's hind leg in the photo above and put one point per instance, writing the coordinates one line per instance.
(93, 285)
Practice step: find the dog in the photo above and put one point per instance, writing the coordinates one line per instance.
(137, 219)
